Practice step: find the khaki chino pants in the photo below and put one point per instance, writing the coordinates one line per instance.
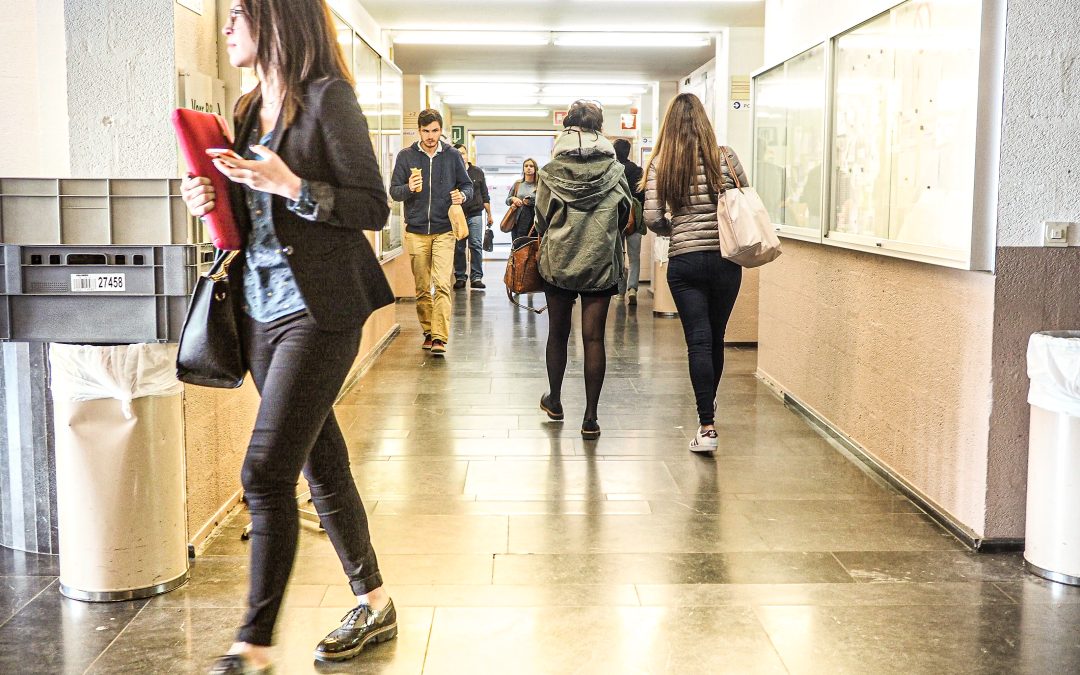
(432, 257)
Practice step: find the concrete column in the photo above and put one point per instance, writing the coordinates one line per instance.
(27, 450)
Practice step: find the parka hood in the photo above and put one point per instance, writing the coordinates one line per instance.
(583, 168)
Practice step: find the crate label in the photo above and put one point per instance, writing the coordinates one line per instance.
(98, 283)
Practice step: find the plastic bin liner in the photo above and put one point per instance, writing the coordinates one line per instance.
(121, 372)
(1054, 368)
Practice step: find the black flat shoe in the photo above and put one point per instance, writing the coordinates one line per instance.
(359, 627)
(590, 430)
(553, 410)
(236, 664)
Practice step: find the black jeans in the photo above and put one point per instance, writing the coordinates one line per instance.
(298, 369)
(704, 287)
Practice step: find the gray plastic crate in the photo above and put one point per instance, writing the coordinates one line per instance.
(96, 211)
(74, 293)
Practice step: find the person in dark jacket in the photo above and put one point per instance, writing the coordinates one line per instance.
(429, 176)
(686, 173)
(474, 212)
(628, 283)
(582, 205)
(305, 184)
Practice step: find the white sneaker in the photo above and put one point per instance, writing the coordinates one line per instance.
(704, 441)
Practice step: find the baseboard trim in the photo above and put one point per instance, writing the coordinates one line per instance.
(856, 453)
(208, 528)
(369, 359)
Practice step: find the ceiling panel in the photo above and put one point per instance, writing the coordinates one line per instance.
(611, 15)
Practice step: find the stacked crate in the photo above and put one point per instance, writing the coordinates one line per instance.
(97, 260)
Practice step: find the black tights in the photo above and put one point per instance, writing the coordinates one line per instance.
(593, 321)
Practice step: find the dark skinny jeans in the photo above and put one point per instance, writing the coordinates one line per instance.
(299, 370)
(704, 287)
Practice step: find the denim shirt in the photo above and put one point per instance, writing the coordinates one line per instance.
(270, 289)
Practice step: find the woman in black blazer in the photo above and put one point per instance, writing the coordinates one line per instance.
(305, 184)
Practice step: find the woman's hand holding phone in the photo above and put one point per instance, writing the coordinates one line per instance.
(268, 174)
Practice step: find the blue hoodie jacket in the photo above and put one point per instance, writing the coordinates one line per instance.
(426, 211)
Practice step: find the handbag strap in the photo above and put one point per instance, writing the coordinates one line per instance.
(510, 297)
(731, 169)
(220, 269)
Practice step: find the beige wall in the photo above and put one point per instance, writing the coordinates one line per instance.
(217, 427)
(894, 354)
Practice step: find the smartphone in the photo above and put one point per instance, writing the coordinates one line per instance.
(222, 152)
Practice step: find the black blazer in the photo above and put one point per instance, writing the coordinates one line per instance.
(335, 267)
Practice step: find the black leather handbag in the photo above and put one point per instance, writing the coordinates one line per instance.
(210, 354)
(489, 240)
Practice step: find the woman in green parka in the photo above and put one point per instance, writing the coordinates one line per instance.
(582, 205)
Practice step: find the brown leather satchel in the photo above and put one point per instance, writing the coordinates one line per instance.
(510, 219)
(523, 270)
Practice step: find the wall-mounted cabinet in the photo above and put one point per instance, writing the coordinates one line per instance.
(868, 140)
(379, 91)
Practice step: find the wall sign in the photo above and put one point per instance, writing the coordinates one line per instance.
(457, 135)
(628, 121)
(558, 117)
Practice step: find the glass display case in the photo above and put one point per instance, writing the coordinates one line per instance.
(789, 142)
(379, 91)
(869, 141)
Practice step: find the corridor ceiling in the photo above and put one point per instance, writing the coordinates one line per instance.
(551, 63)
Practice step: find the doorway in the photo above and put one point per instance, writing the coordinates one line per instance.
(500, 155)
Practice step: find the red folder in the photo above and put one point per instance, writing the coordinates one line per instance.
(195, 132)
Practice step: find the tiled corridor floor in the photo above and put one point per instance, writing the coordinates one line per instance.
(512, 546)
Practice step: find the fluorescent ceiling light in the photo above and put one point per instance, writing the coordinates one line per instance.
(489, 99)
(509, 113)
(632, 40)
(565, 101)
(485, 88)
(593, 90)
(477, 38)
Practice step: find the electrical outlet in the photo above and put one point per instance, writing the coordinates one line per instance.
(1055, 233)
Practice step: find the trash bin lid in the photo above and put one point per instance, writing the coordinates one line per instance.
(1054, 368)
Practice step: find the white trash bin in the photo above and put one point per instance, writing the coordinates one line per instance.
(121, 500)
(1052, 546)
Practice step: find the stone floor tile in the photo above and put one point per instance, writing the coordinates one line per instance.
(598, 640)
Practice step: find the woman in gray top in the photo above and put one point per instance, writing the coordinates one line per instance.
(684, 178)
(523, 194)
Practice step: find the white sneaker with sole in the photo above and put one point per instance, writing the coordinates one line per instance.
(704, 441)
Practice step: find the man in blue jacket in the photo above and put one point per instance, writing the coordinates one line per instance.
(429, 176)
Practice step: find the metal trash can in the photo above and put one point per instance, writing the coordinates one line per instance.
(120, 486)
(1052, 546)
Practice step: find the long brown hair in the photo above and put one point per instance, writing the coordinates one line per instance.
(686, 138)
(536, 170)
(298, 41)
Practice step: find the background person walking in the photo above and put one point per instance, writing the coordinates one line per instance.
(628, 283)
(582, 204)
(429, 176)
(684, 178)
(474, 212)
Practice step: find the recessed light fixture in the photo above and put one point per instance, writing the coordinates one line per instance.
(489, 99)
(565, 101)
(485, 88)
(509, 112)
(476, 38)
(632, 40)
(593, 90)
